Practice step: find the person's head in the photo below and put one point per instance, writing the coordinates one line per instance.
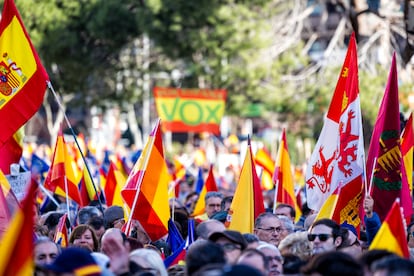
(273, 257)
(51, 222)
(203, 252)
(84, 236)
(213, 202)
(324, 235)
(332, 263)
(393, 266)
(114, 234)
(286, 210)
(369, 257)
(226, 203)
(252, 240)
(206, 228)
(287, 225)
(350, 243)
(254, 258)
(410, 235)
(297, 244)
(97, 223)
(149, 260)
(114, 217)
(86, 213)
(232, 242)
(268, 228)
(45, 251)
(74, 261)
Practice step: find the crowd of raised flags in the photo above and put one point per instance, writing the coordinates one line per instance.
(336, 181)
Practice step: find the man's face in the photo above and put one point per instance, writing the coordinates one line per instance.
(284, 211)
(213, 205)
(411, 237)
(45, 253)
(231, 250)
(269, 230)
(275, 261)
(323, 239)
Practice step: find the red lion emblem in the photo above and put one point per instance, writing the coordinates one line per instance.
(347, 151)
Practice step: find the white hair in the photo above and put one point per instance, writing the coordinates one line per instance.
(152, 258)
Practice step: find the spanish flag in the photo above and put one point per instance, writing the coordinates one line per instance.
(146, 189)
(283, 178)
(115, 180)
(209, 186)
(265, 161)
(392, 235)
(61, 235)
(16, 254)
(22, 77)
(247, 202)
(62, 173)
(11, 151)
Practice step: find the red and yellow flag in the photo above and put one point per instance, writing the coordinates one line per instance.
(283, 178)
(22, 76)
(265, 161)
(115, 180)
(247, 202)
(87, 190)
(11, 151)
(62, 173)
(61, 235)
(209, 186)
(407, 143)
(146, 189)
(16, 254)
(392, 234)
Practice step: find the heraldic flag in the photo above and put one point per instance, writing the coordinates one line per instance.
(22, 77)
(385, 166)
(146, 189)
(338, 156)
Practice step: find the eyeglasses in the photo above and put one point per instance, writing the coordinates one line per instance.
(321, 237)
(230, 247)
(272, 229)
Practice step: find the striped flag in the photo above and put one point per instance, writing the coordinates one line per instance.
(61, 234)
(265, 161)
(146, 189)
(23, 78)
(283, 178)
(115, 180)
(247, 202)
(209, 186)
(392, 234)
(62, 173)
(11, 151)
(16, 254)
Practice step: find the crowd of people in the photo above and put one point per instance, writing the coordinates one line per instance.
(279, 245)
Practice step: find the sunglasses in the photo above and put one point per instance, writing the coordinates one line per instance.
(230, 247)
(321, 237)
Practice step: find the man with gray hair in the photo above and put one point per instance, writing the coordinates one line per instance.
(287, 226)
(212, 205)
(86, 213)
(273, 257)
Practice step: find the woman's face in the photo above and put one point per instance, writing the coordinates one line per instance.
(85, 240)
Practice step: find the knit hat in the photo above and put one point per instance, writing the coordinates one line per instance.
(112, 214)
(75, 260)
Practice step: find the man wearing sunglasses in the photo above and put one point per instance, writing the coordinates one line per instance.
(324, 235)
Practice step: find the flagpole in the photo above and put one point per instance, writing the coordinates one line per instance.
(67, 198)
(372, 176)
(276, 192)
(44, 190)
(139, 181)
(49, 84)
